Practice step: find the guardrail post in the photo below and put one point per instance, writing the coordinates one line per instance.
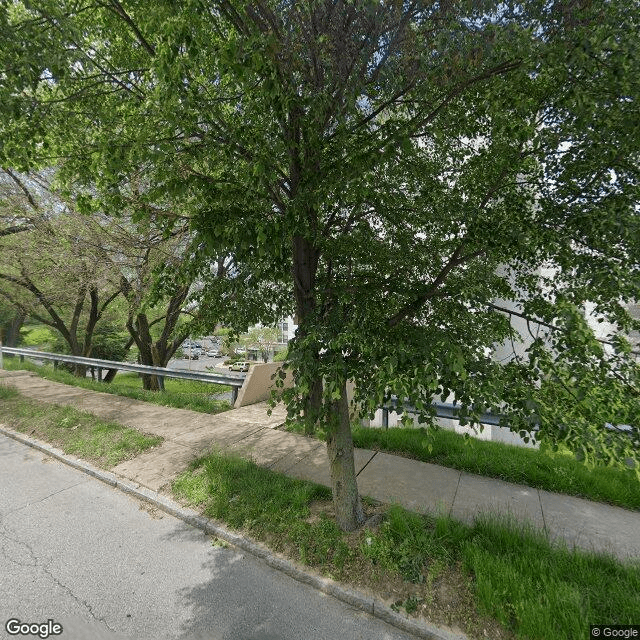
(385, 417)
(234, 395)
(99, 374)
(55, 365)
(21, 358)
(160, 383)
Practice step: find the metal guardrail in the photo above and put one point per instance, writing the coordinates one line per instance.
(442, 409)
(449, 410)
(235, 381)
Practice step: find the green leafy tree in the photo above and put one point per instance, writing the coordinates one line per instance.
(155, 321)
(160, 276)
(263, 339)
(56, 271)
(400, 165)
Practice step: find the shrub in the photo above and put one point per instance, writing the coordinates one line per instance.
(281, 356)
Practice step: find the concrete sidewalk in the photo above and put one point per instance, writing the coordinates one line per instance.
(419, 486)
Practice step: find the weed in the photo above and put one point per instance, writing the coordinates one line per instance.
(8, 392)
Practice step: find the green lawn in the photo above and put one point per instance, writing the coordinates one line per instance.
(75, 432)
(181, 394)
(494, 579)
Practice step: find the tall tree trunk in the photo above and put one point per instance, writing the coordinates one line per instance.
(305, 266)
(313, 406)
(12, 332)
(161, 353)
(154, 357)
(79, 370)
(346, 499)
(150, 383)
(92, 320)
(141, 334)
(158, 359)
(158, 353)
(110, 375)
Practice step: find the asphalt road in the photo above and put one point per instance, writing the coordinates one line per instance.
(103, 565)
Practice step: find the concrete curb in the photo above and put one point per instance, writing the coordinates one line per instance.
(353, 598)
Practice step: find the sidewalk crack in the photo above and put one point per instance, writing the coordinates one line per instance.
(455, 495)
(544, 521)
(375, 453)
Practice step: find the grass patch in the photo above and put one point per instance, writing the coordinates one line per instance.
(180, 394)
(105, 444)
(8, 393)
(494, 579)
(267, 505)
(543, 469)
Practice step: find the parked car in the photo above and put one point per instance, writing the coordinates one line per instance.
(239, 366)
(193, 356)
(213, 353)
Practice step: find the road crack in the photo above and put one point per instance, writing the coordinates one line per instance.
(55, 493)
(44, 567)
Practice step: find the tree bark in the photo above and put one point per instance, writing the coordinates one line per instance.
(13, 329)
(111, 374)
(158, 353)
(313, 406)
(346, 499)
(305, 267)
(149, 354)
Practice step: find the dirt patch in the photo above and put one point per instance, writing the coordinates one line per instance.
(445, 598)
(319, 509)
(373, 510)
(153, 511)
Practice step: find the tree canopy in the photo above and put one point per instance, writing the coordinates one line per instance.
(401, 166)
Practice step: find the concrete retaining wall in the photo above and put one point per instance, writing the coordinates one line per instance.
(258, 383)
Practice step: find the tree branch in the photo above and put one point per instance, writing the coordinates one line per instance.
(415, 305)
(23, 188)
(119, 10)
(542, 323)
(58, 323)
